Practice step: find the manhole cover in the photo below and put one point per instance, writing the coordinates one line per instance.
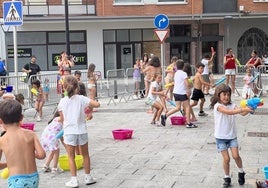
(261, 111)
(258, 134)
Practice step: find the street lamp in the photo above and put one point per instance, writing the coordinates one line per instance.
(67, 31)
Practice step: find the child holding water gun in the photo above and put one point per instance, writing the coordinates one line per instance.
(75, 128)
(38, 93)
(51, 144)
(225, 130)
(247, 91)
(170, 72)
(154, 91)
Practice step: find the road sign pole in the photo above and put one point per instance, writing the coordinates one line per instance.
(163, 60)
(15, 58)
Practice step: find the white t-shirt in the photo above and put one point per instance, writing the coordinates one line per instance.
(225, 127)
(74, 117)
(179, 85)
(157, 87)
(205, 62)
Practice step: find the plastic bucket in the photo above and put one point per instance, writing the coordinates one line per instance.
(265, 170)
(9, 88)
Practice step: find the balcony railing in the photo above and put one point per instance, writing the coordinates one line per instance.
(57, 7)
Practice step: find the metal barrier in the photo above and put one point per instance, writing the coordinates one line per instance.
(130, 83)
(116, 85)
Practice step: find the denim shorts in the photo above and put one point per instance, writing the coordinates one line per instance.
(225, 144)
(75, 139)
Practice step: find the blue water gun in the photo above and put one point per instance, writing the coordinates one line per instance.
(253, 103)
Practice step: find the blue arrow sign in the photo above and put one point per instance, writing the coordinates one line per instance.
(161, 21)
(12, 13)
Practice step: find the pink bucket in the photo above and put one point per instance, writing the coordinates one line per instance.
(178, 120)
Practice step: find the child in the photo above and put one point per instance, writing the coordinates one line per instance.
(51, 143)
(197, 92)
(46, 88)
(38, 92)
(225, 130)
(180, 92)
(20, 147)
(75, 129)
(137, 78)
(247, 91)
(154, 91)
(92, 81)
(78, 75)
(170, 72)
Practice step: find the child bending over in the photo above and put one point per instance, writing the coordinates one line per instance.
(154, 91)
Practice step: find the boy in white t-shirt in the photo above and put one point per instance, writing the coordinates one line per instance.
(180, 92)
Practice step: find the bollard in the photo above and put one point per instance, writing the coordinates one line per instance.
(115, 90)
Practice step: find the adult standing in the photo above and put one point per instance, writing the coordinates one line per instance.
(150, 71)
(208, 62)
(3, 71)
(65, 63)
(229, 65)
(254, 62)
(32, 69)
(145, 63)
(265, 61)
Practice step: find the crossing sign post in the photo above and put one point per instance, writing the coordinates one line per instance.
(12, 13)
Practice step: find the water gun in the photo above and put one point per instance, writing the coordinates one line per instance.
(88, 113)
(220, 81)
(34, 91)
(238, 63)
(254, 78)
(253, 103)
(171, 102)
(5, 173)
(169, 85)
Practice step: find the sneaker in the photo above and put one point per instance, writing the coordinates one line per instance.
(190, 125)
(72, 183)
(135, 97)
(227, 182)
(241, 178)
(153, 123)
(202, 113)
(89, 179)
(46, 169)
(157, 123)
(56, 171)
(163, 120)
(38, 118)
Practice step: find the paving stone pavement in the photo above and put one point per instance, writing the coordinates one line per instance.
(169, 157)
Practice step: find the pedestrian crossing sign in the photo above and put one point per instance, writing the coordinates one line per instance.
(12, 13)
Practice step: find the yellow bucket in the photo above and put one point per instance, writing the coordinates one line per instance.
(64, 164)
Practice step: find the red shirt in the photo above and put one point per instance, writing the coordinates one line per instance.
(253, 60)
(230, 62)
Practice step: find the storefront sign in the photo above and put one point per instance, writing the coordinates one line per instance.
(79, 59)
(22, 52)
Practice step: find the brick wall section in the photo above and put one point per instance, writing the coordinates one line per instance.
(257, 7)
(108, 9)
(193, 7)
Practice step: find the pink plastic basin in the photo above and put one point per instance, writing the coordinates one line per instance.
(122, 134)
